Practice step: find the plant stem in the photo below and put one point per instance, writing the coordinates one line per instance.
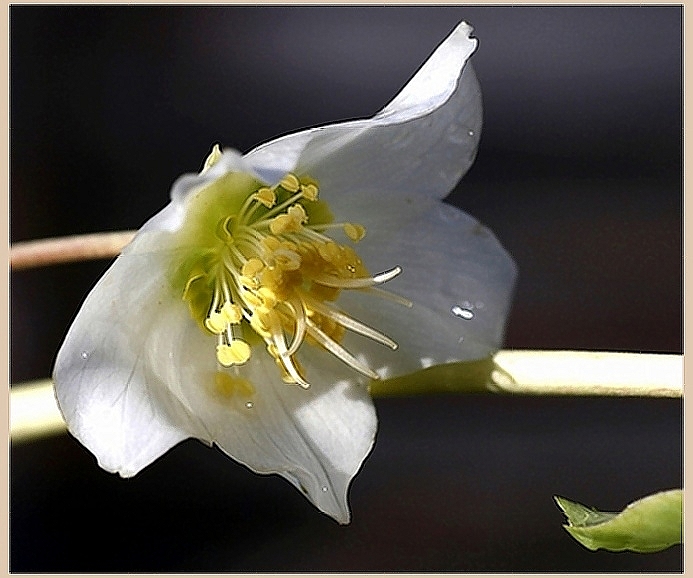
(542, 372)
(56, 250)
(34, 412)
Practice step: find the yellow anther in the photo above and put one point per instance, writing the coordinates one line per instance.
(266, 196)
(252, 267)
(271, 243)
(216, 323)
(281, 224)
(212, 159)
(298, 214)
(286, 259)
(236, 353)
(329, 251)
(288, 245)
(271, 277)
(310, 192)
(249, 282)
(252, 299)
(269, 299)
(232, 313)
(354, 231)
(290, 182)
(289, 222)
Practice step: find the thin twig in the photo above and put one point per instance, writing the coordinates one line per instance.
(42, 252)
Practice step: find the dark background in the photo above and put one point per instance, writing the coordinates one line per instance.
(579, 174)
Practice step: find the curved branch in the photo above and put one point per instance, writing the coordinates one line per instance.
(56, 250)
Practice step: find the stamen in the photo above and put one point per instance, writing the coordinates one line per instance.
(215, 323)
(232, 313)
(276, 275)
(252, 267)
(389, 295)
(354, 231)
(310, 192)
(235, 353)
(269, 299)
(266, 196)
(212, 159)
(282, 350)
(359, 282)
(299, 315)
(386, 276)
(352, 324)
(290, 182)
(337, 350)
(286, 259)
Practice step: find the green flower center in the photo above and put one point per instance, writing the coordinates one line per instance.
(260, 268)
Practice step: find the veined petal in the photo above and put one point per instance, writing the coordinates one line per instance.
(460, 280)
(105, 389)
(423, 141)
(316, 438)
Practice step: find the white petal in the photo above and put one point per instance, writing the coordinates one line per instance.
(171, 217)
(109, 398)
(424, 140)
(316, 438)
(459, 278)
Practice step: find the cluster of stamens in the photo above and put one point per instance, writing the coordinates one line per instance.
(278, 274)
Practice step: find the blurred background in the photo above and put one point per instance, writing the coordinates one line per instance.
(579, 174)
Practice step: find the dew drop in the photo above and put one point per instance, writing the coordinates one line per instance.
(84, 355)
(462, 312)
(470, 132)
(324, 488)
(249, 404)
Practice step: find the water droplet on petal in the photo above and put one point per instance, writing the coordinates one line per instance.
(324, 488)
(470, 132)
(84, 355)
(462, 312)
(249, 404)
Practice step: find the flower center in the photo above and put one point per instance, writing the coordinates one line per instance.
(260, 265)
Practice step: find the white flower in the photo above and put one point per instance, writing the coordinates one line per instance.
(234, 318)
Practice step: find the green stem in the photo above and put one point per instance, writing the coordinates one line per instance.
(542, 373)
(35, 414)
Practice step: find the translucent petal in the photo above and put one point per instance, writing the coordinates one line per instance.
(316, 438)
(423, 141)
(105, 389)
(171, 217)
(459, 278)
